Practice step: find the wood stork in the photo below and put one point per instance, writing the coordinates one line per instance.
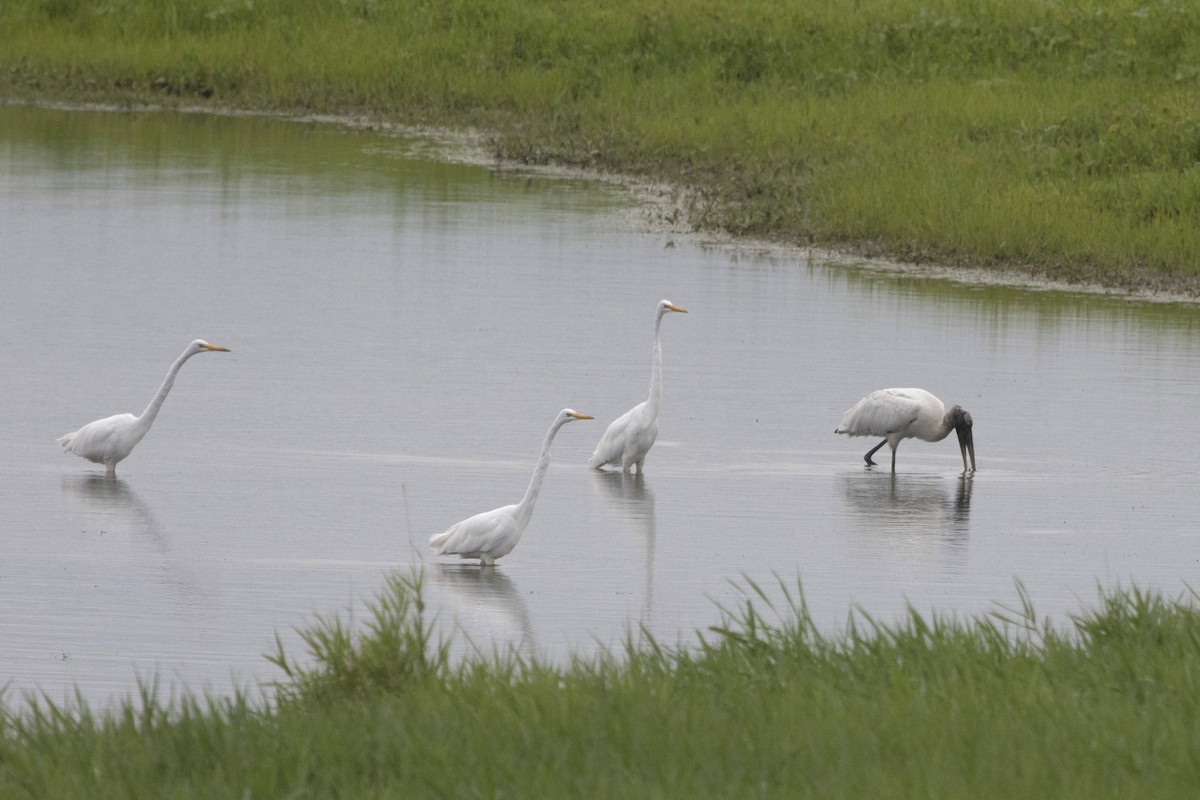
(899, 414)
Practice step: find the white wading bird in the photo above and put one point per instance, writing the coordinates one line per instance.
(109, 440)
(631, 435)
(492, 534)
(898, 414)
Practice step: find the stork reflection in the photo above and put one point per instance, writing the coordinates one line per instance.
(635, 502)
(925, 507)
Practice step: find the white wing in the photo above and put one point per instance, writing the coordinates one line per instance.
(886, 411)
(627, 439)
(493, 532)
(103, 439)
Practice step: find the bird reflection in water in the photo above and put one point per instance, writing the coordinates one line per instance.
(485, 599)
(636, 501)
(113, 498)
(925, 506)
(114, 506)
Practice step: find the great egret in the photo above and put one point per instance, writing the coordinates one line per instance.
(492, 534)
(631, 435)
(109, 440)
(898, 414)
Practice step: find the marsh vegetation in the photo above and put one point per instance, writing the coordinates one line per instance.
(761, 704)
(1058, 138)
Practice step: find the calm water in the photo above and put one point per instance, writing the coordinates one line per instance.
(402, 333)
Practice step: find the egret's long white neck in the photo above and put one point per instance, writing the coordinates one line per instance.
(525, 507)
(151, 411)
(655, 400)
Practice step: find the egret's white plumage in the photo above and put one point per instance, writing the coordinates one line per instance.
(492, 534)
(631, 435)
(109, 440)
(898, 414)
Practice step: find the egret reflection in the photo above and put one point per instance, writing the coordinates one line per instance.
(636, 503)
(112, 498)
(486, 600)
(113, 506)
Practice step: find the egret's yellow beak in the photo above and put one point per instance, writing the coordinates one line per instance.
(676, 308)
(215, 347)
(581, 416)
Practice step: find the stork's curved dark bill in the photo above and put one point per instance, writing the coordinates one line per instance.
(966, 438)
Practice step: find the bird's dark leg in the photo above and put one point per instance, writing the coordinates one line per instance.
(871, 452)
(893, 461)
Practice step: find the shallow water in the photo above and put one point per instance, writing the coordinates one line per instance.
(403, 330)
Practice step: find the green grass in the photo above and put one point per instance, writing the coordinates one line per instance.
(1058, 137)
(762, 705)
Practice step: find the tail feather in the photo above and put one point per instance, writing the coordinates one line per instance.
(65, 441)
(438, 541)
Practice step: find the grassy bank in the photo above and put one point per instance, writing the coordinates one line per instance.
(1058, 137)
(765, 706)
